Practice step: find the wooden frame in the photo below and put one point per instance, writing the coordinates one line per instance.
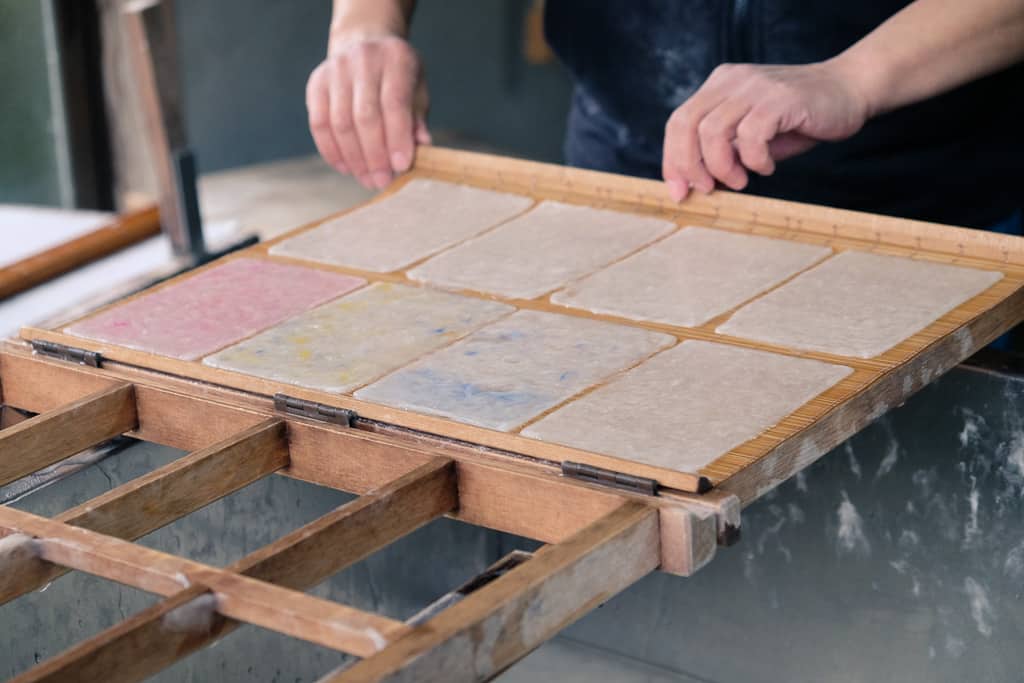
(752, 467)
(410, 469)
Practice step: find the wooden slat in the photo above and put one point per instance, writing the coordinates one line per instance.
(494, 627)
(55, 435)
(143, 505)
(575, 184)
(354, 531)
(142, 645)
(179, 488)
(284, 610)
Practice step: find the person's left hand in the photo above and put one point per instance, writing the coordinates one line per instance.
(748, 116)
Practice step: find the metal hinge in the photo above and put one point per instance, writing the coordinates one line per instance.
(71, 354)
(314, 411)
(603, 477)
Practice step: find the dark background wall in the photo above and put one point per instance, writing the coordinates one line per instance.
(245, 65)
(29, 168)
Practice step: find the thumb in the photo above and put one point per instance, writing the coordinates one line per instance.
(423, 136)
(421, 105)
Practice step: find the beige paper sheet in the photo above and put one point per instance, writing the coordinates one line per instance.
(688, 405)
(858, 304)
(541, 250)
(690, 277)
(511, 371)
(422, 218)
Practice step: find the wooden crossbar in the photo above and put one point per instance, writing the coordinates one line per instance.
(181, 487)
(143, 645)
(55, 435)
(494, 627)
(143, 505)
(284, 610)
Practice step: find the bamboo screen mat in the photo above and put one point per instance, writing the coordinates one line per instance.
(839, 230)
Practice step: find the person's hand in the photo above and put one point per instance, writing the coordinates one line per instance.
(367, 105)
(747, 117)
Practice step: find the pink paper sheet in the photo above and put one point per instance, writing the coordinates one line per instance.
(217, 307)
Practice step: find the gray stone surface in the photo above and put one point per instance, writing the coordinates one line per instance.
(898, 557)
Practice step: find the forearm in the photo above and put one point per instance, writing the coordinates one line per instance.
(932, 46)
(370, 19)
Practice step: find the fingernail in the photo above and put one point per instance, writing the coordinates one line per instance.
(381, 179)
(677, 190)
(366, 181)
(400, 162)
(341, 168)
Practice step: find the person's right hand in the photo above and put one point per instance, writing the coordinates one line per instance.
(367, 105)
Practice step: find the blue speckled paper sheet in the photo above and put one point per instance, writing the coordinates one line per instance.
(511, 371)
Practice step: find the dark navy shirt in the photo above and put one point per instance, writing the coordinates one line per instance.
(957, 158)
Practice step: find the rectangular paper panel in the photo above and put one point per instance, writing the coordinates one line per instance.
(511, 371)
(422, 218)
(349, 342)
(214, 308)
(690, 277)
(688, 405)
(858, 304)
(541, 250)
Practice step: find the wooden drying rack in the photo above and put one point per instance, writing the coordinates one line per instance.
(600, 539)
(875, 385)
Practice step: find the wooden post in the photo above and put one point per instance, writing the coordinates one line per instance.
(151, 37)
